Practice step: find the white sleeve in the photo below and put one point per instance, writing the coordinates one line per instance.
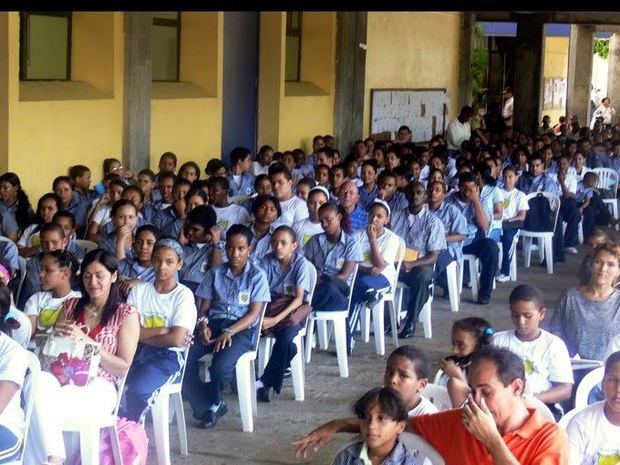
(243, 217)
(13, 363)
(390, 249)
(132, 298)
(523, 203)
(560, 370)
(301, 212)
(100, 215)
(577, 440)
(184, 312)
(32, 305)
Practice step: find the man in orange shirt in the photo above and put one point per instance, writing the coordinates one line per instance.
(494, 427)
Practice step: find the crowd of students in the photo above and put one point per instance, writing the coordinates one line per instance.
(186, 266)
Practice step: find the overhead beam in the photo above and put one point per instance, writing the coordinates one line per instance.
(571, 17)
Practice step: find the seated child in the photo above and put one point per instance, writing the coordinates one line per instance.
(369, 189)
(591, 206)
(594, 432)
(545, 357)
(293, 208)
(215, 169)
(66, 221)
(43, 308)
(146, 183)
(119, 241)
(70, 201)
(468, 336)
(289, 280)
(407, 371)
(240, 178)
(311, 226)
(266, 211)
(137, 268)
(99, 215)
(383, 414)
(168, 317)
(190, 171)
(303, 188)
(166, 219)
(262, 161)
(337, 177)
(202, 247)
(30, 239)
(321, 175)
(227, 213)
(233, 296)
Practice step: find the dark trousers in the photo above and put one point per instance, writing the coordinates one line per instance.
(595, 214)
(508, 236)
(330, 295)
(487, 252)
(152, 368)
(284, 350)
(363, 283)
(418, 280)
(569, 213)
(200, 395)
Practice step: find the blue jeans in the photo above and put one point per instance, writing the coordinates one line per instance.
(331, 294)
(200, 395)
(152, 368)
(363, 283)
(508, 236)
(284, 350)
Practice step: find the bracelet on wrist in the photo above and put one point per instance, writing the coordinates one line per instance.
(202, 319)
(228, 331)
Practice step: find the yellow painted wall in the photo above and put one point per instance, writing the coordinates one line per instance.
(46, 137)
(186, 118)
(555, 65)
(412, 50)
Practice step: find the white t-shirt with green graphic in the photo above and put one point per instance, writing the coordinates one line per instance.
(592, 438)
(232, 214)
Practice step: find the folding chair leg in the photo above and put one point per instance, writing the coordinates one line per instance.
(297, 369)
(245, 386)
(379, 327)
(473, 277)
(177, 402)
(161, 429)
(89, 446)
(323, 333)
(527, 251)
(340, 329)
(393, 322)
(309, 339)
(365, 322)
(548, 244)
(453, 287)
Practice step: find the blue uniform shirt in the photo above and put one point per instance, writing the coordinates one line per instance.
(423, 232)
(131, 268)
(453, 223)
(329, 258)
(358, 218)
(164, 219)
(286, 283)
(260, 246)
(541, 183)
(366, 198)
(79, 208)
(467, 209)
(108, 242)
(196, 259)
(231, 296)
(398, 202)
(245, 186)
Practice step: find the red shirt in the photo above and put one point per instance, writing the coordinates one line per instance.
(537, 442)
(93, 332)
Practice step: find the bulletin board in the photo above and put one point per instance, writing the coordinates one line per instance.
(425, 111)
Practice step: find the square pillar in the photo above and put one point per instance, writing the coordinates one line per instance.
(613, 76)
(579, 72)
(466, 50)
(529, 53)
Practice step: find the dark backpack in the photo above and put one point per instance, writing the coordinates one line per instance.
(540, 216)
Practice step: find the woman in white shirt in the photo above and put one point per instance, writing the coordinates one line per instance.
(513, 216)
(13, 366)
(594, 432)
(379, 248)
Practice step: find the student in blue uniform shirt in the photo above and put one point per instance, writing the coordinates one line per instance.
(388, 191)
(14, 203)
(124, 216)
(266, 211)
(202, 247)
(70, 201)
(334, 253)
(423, 232)
(240, 178)
(66, 221)
(349, 197)
(233, 296)
(455, 229)
(369, 190)
(137, 269)
(287, 273)
(166, 220)
(479, 213)
(167, 320)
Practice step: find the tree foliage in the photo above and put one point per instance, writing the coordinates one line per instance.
(600, 47)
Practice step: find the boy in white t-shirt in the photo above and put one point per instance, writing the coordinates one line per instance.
(168, 317)
(594, 432)
(513, 216)
(294, 209)
(43, 308)
(546, 361)
(227, 213)
(311, 226)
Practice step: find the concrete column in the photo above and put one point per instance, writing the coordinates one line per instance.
(4, 89)
(466, 50)
(137, 90)
(579, 72)
(529, 53)
(350, 78)
(613, 76)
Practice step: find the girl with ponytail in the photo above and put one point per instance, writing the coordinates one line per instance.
(15, 207)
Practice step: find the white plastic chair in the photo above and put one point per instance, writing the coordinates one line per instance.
(513, 256)
(438, 395)
(426, 454)
(608, 178)
(160, 411)
(338, 318)
(545, 239)
(454, 292)
(86, 245)
(473, 264)
(297, 363)
(534, 402)
(425, 312)
(568, 416)
(377, 310)
(28, 395)
(89, 428)
(441, 379)
(588, 382)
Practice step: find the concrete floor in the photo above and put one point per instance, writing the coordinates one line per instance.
(329, 396)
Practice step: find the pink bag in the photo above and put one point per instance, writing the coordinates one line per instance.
(133, 441)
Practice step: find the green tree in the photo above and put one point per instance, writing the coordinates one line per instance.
(600, 47)
(479, 62)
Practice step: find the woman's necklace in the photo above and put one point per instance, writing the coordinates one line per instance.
(95, 311)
